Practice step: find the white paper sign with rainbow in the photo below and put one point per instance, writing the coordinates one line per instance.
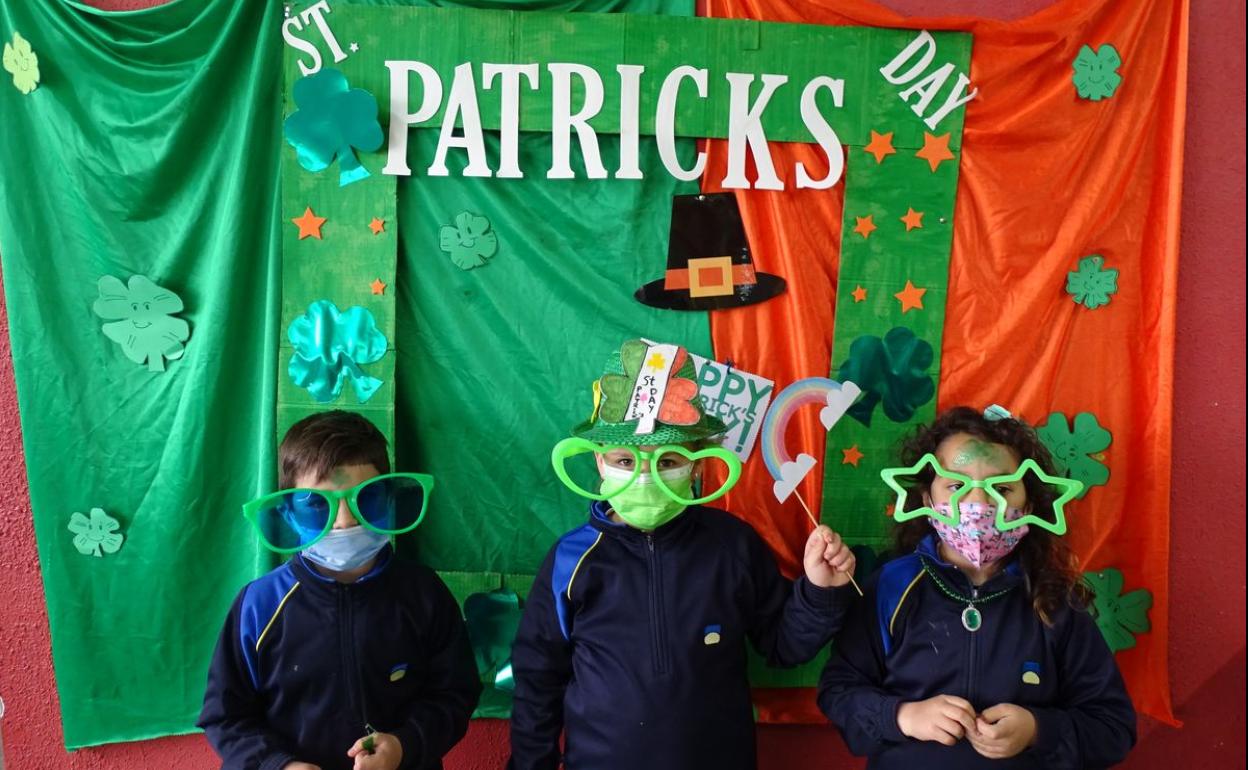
(834, 398)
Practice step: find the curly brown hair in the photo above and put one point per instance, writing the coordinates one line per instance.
(1048, 563)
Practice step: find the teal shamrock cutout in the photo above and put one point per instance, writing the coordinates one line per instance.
(1121, 617)
(1092, 284)
(96, 535)
(892, 370)
(493, 618)
(1096, 75)
(22, 63)
(142, 320)
(330, 348)
(469, 241)
(333, 120)
(1076, 452)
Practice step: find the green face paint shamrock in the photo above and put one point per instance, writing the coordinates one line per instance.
(470, 241)
(1095, 75)
(892, 370)
(97, 535)
(677, 407)
(330, 345)
(492, 619)
(1091, 285)
(21, 62)
(1071, 448)
(1120, 617)
(333, 120)
(142, 324)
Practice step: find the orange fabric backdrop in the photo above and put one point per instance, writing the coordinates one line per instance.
(1046, 179)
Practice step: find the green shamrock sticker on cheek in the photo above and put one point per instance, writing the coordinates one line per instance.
(142, 318)
(1096, 75)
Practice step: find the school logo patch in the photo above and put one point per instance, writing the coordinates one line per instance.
(710, 635)
(398, 672)
(1031, 672)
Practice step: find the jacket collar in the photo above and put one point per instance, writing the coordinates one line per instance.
(308, 573)
(601, 521)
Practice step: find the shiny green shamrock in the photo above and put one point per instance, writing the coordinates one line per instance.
(470, 241)
(1074, 450)
(22, 63)
(1092, 284)
(143, 323)
(97, 535)
(333, 120)
(1121, 617)
(892, 370)
(330, 347)
(492, 618)
(1096, 75)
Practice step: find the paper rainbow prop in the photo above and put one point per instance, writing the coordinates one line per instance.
(834, 397)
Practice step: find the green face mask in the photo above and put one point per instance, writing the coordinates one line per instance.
(644, 504)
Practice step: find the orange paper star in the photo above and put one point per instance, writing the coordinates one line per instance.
(881, 145)
(865, 225)
(911, 297)
(935, 149)
(377, 225)
(913, 219)
(377, 286)
(309, 224)
(859, 294)
(851, 456)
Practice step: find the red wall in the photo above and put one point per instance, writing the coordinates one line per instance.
(1207, 500)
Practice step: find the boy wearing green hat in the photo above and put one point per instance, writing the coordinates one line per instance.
(632, 643)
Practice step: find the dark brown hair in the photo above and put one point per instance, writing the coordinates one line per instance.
(1050, 566)
(322, 442)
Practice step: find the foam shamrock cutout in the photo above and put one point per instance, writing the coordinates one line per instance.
(22, 63)
(892, 370)
(142, 320)
(332, 121)
(1096, 75)
(1074, 449)
(1092, 285)
(1121, 617)
(678, 400)
(470, 241)
(330, 347)
(96, 535)
(492, 618)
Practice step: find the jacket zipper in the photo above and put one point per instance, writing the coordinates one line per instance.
(658, 630)
(354, 679)
(970, 669)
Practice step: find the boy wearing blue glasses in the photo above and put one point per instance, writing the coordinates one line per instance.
(343, 657)
(633, 640)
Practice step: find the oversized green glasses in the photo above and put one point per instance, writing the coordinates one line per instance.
(575, 464)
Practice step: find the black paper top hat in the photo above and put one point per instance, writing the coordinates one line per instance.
(709, 266)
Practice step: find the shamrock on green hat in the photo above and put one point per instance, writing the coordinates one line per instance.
(648, 395)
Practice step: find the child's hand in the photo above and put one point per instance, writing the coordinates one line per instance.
(387, 753)
(301, 766)
(1003, 731)
(944, 719)
(828, 561)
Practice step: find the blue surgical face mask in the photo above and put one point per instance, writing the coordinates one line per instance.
(342, 550)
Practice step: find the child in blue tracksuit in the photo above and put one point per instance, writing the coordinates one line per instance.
(974, 649)
(632, 643)
(345, 657)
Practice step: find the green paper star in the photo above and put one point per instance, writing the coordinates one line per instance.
(97, 535)
(1092, 285)
(1072, 450)
(22, 63)
(470, 241)
(1121, 617)
(1096, 75)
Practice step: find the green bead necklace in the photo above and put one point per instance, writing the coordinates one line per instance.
(972, 619)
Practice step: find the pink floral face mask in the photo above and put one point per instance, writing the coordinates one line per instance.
(976, 537)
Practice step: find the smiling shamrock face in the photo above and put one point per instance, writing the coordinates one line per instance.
(143, 324)
(1096, 72)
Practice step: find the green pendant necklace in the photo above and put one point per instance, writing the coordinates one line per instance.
(972, 619)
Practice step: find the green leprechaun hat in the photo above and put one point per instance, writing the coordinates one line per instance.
(648, 395)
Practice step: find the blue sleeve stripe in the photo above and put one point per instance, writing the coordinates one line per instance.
(897, 577)
(262, 601)
(569, 554)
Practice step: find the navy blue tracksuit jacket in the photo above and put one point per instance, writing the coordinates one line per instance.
(304, 663)
(634, 644)
(905, 642)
